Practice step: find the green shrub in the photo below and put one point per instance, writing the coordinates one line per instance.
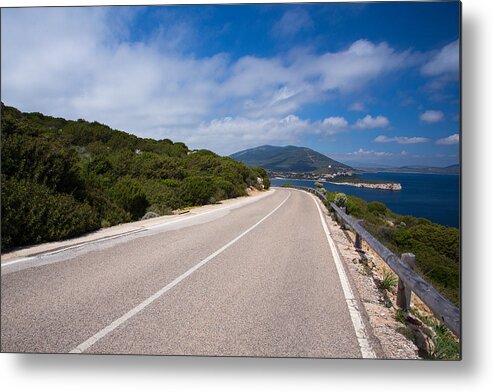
(389, 280)
(330, 197)
(375, 207)
(197, 190)
(340, 200)
(319, 185)
(105, 206)
(129, 194)
(446, 346)
(42, 161)
(225, 189)
(32, 213)
(356, 207)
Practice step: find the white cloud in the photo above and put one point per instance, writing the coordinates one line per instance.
(445, 61)
(334, 124)
(431, 116)
(357, 107)
(370, 153)
(452, 139)
(79, 63)
(292, 22)
(401, 139)
(228, 135)
(369, 122)
(351, 69)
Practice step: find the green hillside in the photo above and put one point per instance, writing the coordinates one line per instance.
(290, 159)
(62, 178)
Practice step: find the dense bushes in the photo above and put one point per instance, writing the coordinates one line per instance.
(129, 195)
(61, 178)
(377, 208)
(32, 213)
(42, 161)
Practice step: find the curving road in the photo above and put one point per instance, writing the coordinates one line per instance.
(255, 278)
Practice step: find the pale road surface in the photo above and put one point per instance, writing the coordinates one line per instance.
(255, 278)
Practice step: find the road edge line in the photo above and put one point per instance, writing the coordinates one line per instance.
(356, 318)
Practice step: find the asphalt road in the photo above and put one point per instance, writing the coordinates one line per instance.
(257, 278)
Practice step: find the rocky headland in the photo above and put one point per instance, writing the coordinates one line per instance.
(391, 186)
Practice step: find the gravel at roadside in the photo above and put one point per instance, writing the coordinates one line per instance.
(365, 268)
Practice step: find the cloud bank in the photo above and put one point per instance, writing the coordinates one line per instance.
(72, 64)
(401, 139)
(452, 139)
(81, 63)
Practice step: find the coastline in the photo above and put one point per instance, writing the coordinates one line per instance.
(388, 186)
(435, 198)
(384, 186)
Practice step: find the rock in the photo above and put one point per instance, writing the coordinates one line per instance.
(413, 320)
(424, 343)
(149, 215)
(428, 331)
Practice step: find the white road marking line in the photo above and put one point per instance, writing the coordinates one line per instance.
(158, 226)
(76, 246)
(54, 252)
(115, 324)
(18, 261)
(359, 326)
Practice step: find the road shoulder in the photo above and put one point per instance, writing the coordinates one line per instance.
(380, 315)
(129, 228)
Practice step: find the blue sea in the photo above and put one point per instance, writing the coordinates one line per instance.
(431, 196)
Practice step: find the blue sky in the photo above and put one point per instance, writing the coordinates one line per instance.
(365, 83)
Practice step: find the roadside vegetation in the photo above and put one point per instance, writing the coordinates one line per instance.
(63, 178)
(437, 260)
(436, 247)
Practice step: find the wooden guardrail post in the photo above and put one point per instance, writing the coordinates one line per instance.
(357, 239)
(403, 292)
(341, 221)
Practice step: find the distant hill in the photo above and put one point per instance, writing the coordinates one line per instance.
(452, 169)
(289, 159)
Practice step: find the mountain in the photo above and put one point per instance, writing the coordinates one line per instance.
(289, 159)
